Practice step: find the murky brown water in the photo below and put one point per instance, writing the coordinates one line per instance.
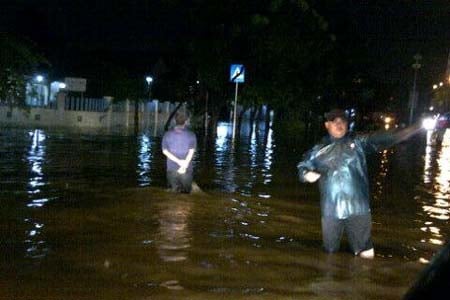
(87, 217)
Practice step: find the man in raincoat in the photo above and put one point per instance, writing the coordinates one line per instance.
(339, 163)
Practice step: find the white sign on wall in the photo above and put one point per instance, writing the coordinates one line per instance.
(75, 84)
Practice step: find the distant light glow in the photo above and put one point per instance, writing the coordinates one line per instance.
(149, 79)
(62, 85)
(429, 123)
(222, 132)
(39, 78)
(423, 260)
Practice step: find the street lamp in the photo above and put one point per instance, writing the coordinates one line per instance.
(149, 80)
(39, 78)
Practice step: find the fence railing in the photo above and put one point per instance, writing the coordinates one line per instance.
(86, 104)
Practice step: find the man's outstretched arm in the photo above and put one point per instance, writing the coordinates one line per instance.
(386, 139)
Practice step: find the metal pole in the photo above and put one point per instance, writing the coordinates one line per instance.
(413, 99)
(206, 112)
(235, 110)
(155, 130)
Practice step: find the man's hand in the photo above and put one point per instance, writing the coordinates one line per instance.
(184, 163)
(181, 170)
(311, 176)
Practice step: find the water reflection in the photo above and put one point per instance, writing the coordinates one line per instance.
(36, 159)
(225, 158)
(145, 157)
(261, 156)
(268, 156)
(250, 240)
(437, 209)
(34, 242)
(380, 179)
(174, 236)
(36, 246)
(429, 156)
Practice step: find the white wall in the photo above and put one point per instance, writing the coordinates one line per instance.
(112, 119)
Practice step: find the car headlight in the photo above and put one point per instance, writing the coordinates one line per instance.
(429, 123)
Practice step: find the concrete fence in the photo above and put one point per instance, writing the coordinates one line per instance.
(88, 113)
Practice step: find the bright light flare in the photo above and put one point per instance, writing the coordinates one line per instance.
(429, 123)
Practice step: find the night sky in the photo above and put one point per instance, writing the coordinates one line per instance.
(73, 35)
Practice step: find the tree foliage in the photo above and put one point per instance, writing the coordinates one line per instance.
(282, 44)
(18, 59)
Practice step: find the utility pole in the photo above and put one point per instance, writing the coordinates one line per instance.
(413, 101)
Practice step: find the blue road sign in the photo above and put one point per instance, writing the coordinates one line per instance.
(237, 73)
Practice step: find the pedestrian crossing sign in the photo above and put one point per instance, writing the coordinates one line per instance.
(237, 73)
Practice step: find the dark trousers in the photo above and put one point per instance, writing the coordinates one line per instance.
(357, 228)
(180, 183)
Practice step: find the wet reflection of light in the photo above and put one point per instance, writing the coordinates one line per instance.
(427, 165)
(174, 236)
(423, 260)
(442, 188)
(261, 156)
(35, 245)
(253, 149)
(144, 161)
(251, 179)
(268, 156)
(438, 210)
(222, 134)
(225, 159)
(381, 176)
(446, 138)
(36, 159)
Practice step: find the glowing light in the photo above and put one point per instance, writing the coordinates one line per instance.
(446, 138)
(429, 123)
(222, 132)
(39, 78)
(423, 260)
(436, 242)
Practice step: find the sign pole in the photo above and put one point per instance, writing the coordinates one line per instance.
(155, 129)
(235, 110)
(236, 75)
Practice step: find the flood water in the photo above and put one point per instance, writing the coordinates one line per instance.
(88, 217)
